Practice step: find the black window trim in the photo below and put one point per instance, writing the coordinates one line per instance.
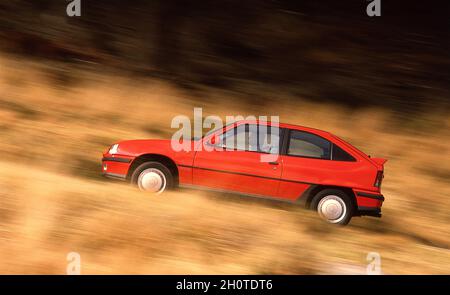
(285, 135)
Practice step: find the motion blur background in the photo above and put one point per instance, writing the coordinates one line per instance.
(72, 86)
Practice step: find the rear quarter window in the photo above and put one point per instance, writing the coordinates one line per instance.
(341, 155)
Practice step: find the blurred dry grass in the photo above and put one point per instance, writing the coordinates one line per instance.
(52, 200)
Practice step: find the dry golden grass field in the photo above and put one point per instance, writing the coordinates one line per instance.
(53, 200)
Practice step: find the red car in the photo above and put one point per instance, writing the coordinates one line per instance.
(313, 168)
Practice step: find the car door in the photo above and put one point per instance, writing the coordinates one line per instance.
(304, 161)
(307, 160)
(238, 164)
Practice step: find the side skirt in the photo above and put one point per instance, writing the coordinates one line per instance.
(218, 190)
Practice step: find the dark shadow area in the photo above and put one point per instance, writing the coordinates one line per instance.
(318, 50)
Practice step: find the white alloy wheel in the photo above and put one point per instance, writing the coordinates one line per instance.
(332, 208)
(152, 180)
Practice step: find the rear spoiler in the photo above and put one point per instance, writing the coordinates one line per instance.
(379, 161)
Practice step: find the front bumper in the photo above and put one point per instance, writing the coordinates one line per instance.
(115, 176)
(116, 166)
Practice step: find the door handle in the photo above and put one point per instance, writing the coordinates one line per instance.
(274, 163)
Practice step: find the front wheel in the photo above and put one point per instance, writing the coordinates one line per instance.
(152, 177)
(334, 206)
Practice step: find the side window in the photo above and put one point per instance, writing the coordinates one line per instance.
(241, 137)
(341, 155)
(268, 142)
(308, 145)
(251, 137)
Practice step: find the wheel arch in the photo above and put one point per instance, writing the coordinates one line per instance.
(314, 189)
(168, 162)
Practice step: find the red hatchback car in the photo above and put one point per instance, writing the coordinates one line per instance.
(313, 168)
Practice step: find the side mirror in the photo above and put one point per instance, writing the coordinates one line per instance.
(215, 140)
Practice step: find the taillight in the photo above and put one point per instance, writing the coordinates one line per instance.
(379, 179)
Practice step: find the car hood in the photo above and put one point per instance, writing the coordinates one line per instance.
(144, 146)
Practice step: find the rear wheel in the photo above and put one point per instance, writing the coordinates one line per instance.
(334, 206)
(152, 177)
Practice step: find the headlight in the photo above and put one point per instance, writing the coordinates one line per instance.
(113, 149)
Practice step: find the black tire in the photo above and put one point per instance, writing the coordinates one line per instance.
(169, 179)
(349, 205)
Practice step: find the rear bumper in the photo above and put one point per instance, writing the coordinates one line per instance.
(369, 203)
(369, 211)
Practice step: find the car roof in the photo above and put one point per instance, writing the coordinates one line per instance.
(304, 128)
(288, 126)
